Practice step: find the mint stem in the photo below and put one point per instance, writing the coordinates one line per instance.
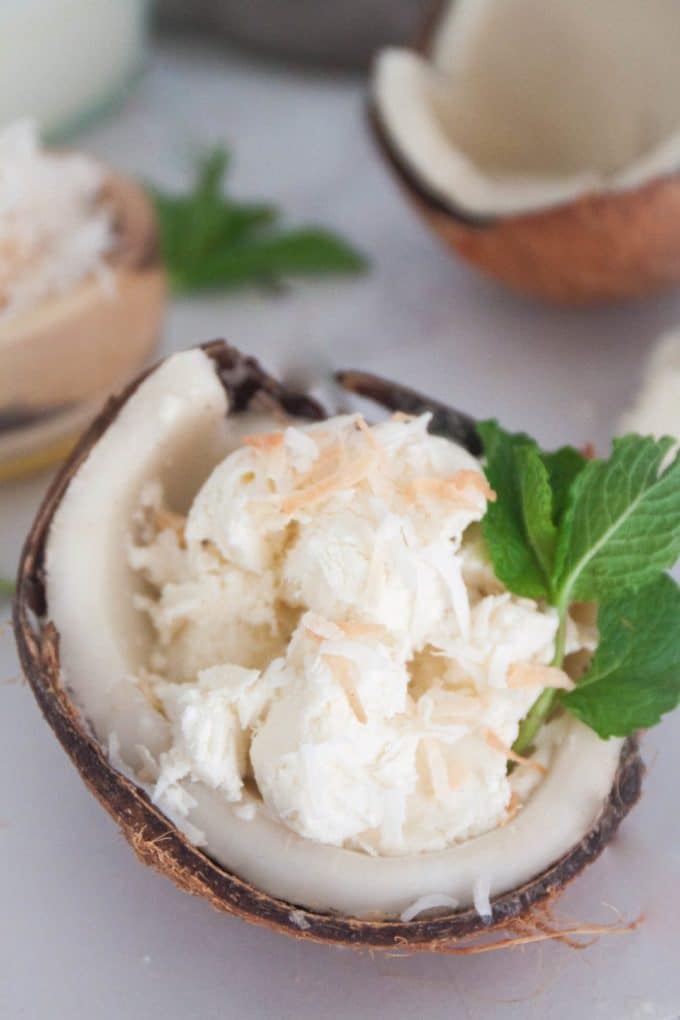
(541, 708)
(533, 720)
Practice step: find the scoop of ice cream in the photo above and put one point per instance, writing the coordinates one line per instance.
(334, 632)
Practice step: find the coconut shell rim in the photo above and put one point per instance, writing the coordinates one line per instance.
(135, 223)
(155, 840)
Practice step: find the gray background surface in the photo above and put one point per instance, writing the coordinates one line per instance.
(85, 930)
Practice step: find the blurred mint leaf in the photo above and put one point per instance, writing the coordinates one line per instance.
(209, 241)
(271, 258)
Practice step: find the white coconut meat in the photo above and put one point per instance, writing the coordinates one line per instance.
(172, 433)
(526, 104)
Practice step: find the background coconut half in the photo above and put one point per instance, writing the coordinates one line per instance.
(60, 359)
(183, 413)
(542, 140)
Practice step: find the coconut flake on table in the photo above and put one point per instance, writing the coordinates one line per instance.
(54, 231)
(327, 630)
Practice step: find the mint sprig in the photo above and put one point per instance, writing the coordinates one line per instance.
(210, 241)
(565, 529)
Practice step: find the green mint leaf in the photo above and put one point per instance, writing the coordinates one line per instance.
(537, 506)
(563, 466)
(503, 528)
(565, 529)
(212, 168)
(6, 588)
(621, 527)
(520, 528)
(292, 253)
(229, 225)
(634, 677)
(210, 241)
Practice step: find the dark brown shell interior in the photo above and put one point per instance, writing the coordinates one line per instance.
(153, 837)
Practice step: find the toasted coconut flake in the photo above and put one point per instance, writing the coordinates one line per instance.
(365, 428)
(531, 674)
(314, 635)
(344, 671)
(165, 520)
(369, 435)
(454, 488)
(347, 475)
(266, 441)
(494, 741)
(513, 808)
(469, 479)
(329, 461)
(354, 629)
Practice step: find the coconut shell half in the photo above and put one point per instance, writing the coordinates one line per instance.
(78, 345)
(157, 842)
(59, 360)
(596, 246)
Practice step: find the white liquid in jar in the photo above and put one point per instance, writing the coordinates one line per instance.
(63, 60)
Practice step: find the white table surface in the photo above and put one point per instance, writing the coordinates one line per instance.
(85, 930)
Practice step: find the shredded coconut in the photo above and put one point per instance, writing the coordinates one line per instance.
(328, 630)
(299, 920)
(431, 901)
(54, 231)
(246, 812)
(480, 897)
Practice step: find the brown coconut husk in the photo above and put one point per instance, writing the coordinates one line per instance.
(518, 916)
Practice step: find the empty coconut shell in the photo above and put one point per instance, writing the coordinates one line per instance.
(533, 167)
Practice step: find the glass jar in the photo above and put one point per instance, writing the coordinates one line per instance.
(65, 62)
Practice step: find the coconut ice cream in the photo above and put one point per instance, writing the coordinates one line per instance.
(331, 642)
(278, 654)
